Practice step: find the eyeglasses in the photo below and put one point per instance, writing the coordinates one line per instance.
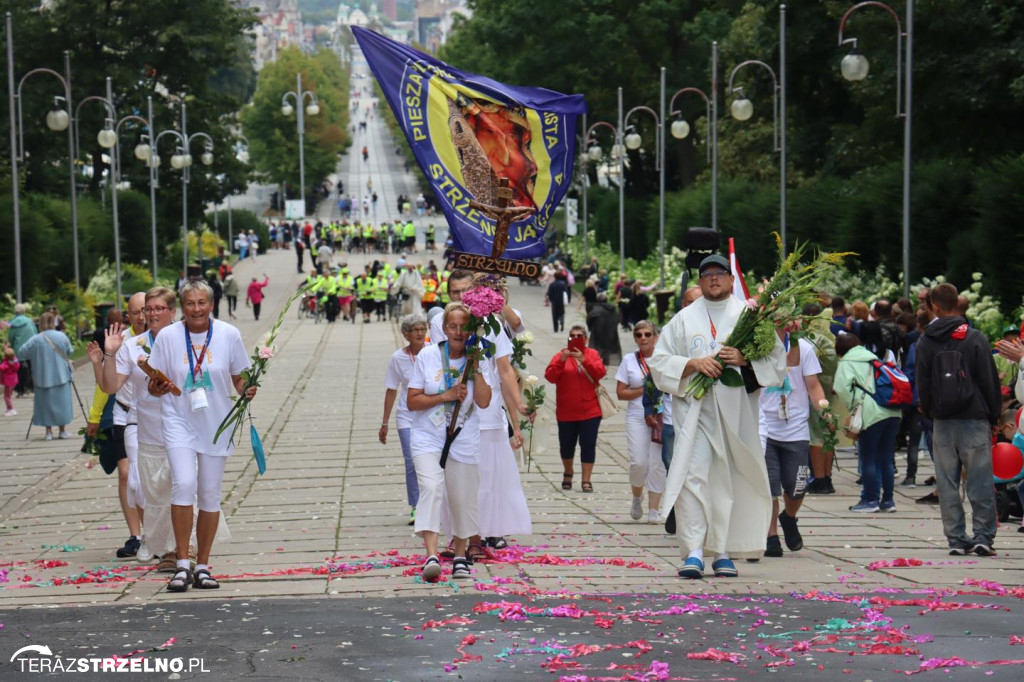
(709, 274)
(418, 330)
(155, 309)
(643, 335)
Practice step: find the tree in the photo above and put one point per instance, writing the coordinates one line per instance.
(273, 136)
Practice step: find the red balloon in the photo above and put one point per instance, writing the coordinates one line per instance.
(1018, 417)
(1007, 461)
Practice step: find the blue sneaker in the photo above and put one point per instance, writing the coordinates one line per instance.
(887, 507)
(725, 568)
(865, 507)
(693, 569)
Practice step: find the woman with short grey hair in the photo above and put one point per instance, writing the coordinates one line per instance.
(47, 352)
(396, 384)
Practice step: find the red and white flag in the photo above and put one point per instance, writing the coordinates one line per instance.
(739, 285)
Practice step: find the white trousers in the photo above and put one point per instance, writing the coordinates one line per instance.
(456, 487)
(196, 475)
(646, 470)
(694, 503)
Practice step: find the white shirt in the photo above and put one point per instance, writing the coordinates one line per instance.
(145, 407)
(771, 423)
(125, 394)
(397, 379)
(429, 426)
(632, 375)
(225, 356)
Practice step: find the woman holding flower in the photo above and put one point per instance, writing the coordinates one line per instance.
(396, 381)
(643, 432)
(204, 358)
(577, 410)
(436, 389)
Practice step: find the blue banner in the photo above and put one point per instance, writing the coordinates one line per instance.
(467, 131)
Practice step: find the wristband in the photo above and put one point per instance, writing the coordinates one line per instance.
(384, 424)
(108, 355)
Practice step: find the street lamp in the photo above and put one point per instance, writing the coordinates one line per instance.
(57, 120)
(182, 160)
(108, 139)
(633, 142)
(742, 109)
(592, 152)
(680, 128)
(855, 67)
(312, 109)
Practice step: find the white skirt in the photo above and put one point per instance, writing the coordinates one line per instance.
(502, 508)
(136, 497)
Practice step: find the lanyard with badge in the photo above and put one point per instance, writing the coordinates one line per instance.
(197, 383)
(785, 389)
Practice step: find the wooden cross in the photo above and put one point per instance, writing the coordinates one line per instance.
(503, 215)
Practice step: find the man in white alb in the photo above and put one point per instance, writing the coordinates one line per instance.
(717, 483)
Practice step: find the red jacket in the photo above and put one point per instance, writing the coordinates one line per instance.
(575, 395)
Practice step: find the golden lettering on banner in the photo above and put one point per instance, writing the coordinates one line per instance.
(505, 267)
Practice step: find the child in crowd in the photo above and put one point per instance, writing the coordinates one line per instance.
(9, 378)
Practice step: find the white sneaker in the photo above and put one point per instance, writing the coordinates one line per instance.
(636, 512)
(63, 435)
(654, 516)
(49, 436)
(11, 413)
(144, 555)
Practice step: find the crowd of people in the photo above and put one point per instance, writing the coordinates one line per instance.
(726, 474)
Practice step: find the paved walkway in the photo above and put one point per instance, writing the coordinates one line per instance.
(333, 496)
(328, 520)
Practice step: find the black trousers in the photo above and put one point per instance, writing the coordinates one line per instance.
(585, 432)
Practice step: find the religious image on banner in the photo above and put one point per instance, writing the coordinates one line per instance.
(499, 157)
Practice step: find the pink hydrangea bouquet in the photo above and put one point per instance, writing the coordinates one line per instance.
(484, 302)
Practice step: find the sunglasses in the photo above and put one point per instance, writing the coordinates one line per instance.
(643, 335)
(576, 336)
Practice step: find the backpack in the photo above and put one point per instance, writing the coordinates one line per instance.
(892, 387)
(952, 388)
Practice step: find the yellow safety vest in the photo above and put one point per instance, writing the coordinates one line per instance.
(364, 287)
(429, 290)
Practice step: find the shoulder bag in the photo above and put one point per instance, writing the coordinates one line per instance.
(609, 407)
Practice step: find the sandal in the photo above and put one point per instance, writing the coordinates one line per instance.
(202, 580)
(497, 543)
(180, 581)
(168, 563)
(449, 551)
(475, 552)
(587, 487)
(566, 481)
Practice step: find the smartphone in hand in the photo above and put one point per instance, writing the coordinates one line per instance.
(577, 344)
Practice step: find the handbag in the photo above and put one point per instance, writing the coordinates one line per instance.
(609, 407)
(854, 421)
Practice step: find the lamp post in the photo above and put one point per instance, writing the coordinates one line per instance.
(619, 150)
(592, 152)
(108, 139)
(57, 120)
(182, 160)
(633, 142)
(680, 129)
(855, 68)
(312, 109)
(742, 109)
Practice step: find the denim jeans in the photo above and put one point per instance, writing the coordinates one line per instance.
(412, 488)
(877, 445)
(965, 444)
(912, 419)
(668, 441)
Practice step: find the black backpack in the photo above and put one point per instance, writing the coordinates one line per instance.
(952, 388)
